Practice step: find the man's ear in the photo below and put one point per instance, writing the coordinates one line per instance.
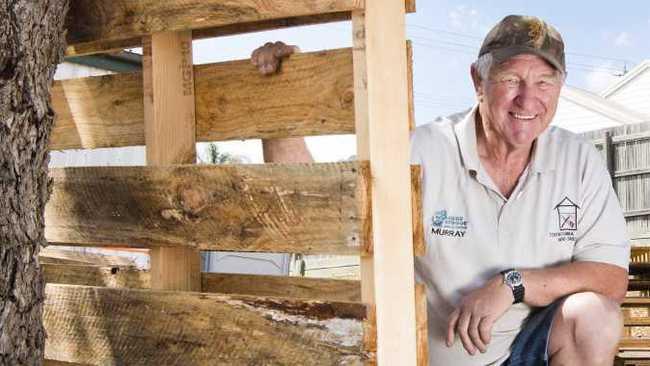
(476, 79)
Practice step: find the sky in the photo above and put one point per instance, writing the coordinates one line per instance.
(603, 39)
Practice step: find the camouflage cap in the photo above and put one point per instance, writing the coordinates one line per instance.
(516, 34)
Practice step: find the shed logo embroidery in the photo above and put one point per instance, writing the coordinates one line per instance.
(567, 220)
(444, 225)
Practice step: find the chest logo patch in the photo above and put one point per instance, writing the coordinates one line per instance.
(444, 225)
(567, 220)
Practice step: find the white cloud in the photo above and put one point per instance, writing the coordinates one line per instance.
(601, 77)
(623, 39)
(465, 18)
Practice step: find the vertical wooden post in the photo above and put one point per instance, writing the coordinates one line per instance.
(362, 134)
(608, 149)
(170, 137)
(382, 121)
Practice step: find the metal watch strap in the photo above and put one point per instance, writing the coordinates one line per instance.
(518, 291)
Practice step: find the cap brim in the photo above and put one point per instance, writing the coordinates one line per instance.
(505, 53)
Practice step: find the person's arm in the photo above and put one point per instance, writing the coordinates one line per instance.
(286, 150)
(543, 286)
(599, 264)
(268, 59)
(480, 309)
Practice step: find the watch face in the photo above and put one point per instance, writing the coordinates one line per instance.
(513, 278)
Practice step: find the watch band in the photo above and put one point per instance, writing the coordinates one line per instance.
(512, 279)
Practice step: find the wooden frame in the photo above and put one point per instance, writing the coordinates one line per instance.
(170, 206)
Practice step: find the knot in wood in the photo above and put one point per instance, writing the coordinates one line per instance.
(193, 199)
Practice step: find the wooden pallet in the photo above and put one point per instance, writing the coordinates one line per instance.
(108, 313)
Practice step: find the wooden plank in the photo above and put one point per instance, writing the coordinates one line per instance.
(147, 327)
(422, 325)
(99, 111)
(419, 244)
(362, 130)
(630, 172)
(635, 321)
(62, 256)
(225, 283)
(293, 208)
(104, 276)
(636, 343)
(636, 213)
(281, 286)
(388, 116)
(314, 96)
(409, 80)
(638, 285)
(633, 137)
(170, 136)
(639, 268)
(101, 26)
(636, 301)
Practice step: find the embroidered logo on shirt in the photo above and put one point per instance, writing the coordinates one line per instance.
(444, 225)
(567, 219)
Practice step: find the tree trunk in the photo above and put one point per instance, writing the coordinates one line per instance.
(32, 42)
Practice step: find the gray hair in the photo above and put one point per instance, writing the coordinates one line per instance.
(483, 66)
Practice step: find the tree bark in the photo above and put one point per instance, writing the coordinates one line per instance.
(32, 41)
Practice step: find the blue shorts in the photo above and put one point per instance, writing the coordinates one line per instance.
(530, 347)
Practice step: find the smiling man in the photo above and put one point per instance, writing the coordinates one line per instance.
(527, 254)
(542, 265)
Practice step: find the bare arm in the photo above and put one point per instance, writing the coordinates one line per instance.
(474, 317)
(543, 286)
(268, 60)
(287, 150)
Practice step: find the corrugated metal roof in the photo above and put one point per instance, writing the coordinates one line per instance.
(579, 111)
(631, 75)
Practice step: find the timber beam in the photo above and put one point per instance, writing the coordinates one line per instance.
(313, 96)
(96, 325)
(102, 26)
(296, 208)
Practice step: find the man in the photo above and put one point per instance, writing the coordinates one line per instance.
(527, 253)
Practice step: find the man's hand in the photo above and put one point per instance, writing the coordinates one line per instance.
(269, 57)
(478, 310)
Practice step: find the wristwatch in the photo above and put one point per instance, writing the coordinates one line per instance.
(512, 278)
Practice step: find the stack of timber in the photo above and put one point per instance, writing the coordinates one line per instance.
(626, 150)
(102, 310)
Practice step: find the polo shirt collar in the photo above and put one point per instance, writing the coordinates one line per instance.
(543, 159)
(466, 135)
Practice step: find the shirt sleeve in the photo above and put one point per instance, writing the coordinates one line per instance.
(602, 235)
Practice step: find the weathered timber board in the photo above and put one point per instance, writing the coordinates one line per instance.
(100, 26)
(103, 326)
(61, 256)
(296, 208)
(323, 289)
(313, 96)
(102, 276)
(280, 286)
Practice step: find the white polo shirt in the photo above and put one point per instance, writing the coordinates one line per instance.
(563, 209)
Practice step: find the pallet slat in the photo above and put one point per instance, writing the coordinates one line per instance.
(224, 283)
(313, 96)
(297, 208)
(100, 26)
(182, 328)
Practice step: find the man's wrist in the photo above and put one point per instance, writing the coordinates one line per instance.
(513, 279)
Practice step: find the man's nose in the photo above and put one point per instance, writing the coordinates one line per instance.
(526, 96)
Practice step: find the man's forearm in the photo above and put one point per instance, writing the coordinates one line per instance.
(543, 286)
(286, 150)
